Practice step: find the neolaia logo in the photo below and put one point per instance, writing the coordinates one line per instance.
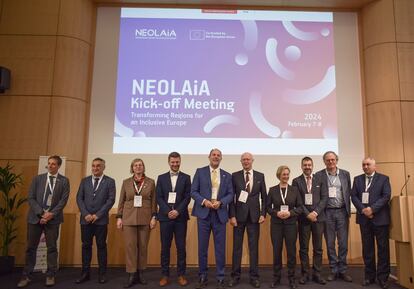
(155, 33)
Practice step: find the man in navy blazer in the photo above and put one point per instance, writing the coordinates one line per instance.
(371, 194)
(173, 195)
(96, 196)
(337, 213)
(48, 195)
(212, 192)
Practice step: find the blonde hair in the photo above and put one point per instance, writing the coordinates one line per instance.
(135, 161)
(280, 170)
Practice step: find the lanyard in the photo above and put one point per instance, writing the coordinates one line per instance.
(138, 190)
(283, 196)
(52, 188)
(369, 183)
(331, 184)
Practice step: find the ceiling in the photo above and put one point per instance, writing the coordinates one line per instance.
(310, 4)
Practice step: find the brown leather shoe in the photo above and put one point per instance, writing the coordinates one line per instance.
(50, 281)
(164, 281)
(23, 282)
(182, 281)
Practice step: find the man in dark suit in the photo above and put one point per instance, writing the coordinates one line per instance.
(48, 195)
(247, 211)
(314, 193)
(96, 196)
(337, 212)
(371, 194)
(212, 192)
(173, 195)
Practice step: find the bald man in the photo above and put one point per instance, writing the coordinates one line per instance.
(371, 193)
(247, 211)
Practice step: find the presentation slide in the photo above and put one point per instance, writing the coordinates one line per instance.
(242, 80)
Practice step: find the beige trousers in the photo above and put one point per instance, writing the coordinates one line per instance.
(136, 247)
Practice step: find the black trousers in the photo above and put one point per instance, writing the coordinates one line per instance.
(287, 232)
(253, 232)
(178, 230)
(33, 238)
(370, 233)
(306, 229)
(87, 233)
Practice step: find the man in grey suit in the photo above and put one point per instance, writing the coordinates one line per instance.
(48, 195)
(338, 211)
(96, 196)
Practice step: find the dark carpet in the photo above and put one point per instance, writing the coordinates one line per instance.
(65, 279)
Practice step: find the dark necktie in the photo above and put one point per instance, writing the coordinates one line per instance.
(248, 182)
(95, 184)
(48, 192)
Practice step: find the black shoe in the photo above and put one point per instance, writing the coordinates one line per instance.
(368, 282)
(383, 284)
(132, 280)
(275, 283)
(233, 282)
(255, 283)
(345, 277)
(292, 284)
(202, 283)
(101, 278)
(83, 278)
(141, 279)
(303, 279)
(332, 277)
(220, 284)
(318, 279)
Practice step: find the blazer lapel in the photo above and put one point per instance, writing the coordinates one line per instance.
(303, 184)
(169, 184)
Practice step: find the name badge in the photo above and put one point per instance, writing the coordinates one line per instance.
(284, 208)
(332, 192)
(171, 197)
(49, 200)
(365, 197)
(308, 199)
(243, 196)
(138, 201)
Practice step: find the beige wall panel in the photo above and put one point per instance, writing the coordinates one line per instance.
(378, 23)
(192, 244)
(404, 20)
(354, 242)
(396, 172)
(71, 68)
(76, 18)
(406, 69)
(30, 59)
(410, 185)
(70, 243)
(115, 242)
(29, 17)
(74, 173)
(407, 111)
(381, 73)
(26, 119)
(385, 131)
(67, 128)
